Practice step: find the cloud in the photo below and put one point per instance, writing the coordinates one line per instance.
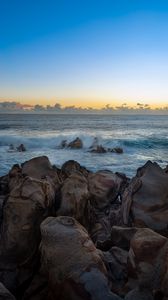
(140, 108)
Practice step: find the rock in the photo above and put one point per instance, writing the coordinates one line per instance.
(29, 202)
(117, 150)
(40, 168)
(21, 148)
(98, 149)
(74, 267)
(139, 294)
(5, 294)
(146, 198)
(74, 198)
(116, 264)
(63, 144)
(121, 236)
(104, 187)
(76, 144)
(72, 166)
(148, 260)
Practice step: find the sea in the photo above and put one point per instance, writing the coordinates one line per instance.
(142, 138)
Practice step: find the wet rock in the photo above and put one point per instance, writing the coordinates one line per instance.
(77, 271)
(98, 149)
(5, 294)
(21, 148)
(76, 144)
(117, 150)
(63, 144)
(121, 236)
(146, 198)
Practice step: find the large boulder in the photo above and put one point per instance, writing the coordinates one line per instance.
(73, 266)
(146, 198)
(29, 202)
(74, 198)
(104, 188)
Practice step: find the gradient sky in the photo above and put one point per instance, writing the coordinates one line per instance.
(82, 52)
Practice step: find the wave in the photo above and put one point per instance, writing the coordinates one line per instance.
(54, 141)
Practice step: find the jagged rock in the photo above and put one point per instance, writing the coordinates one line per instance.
(76, 144)
(29, 202)
(104, 188)
(74, 267)
(74, 198)
(5, 294)
(146, 198)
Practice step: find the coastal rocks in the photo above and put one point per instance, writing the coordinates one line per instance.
(74, 198)
(104, 188)
(148, 260)
(21, 148)
(146, 198)
(72, 166)
(76, 144)
(73, 266)
(29, 202)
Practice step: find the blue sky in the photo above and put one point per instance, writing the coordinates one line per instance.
(84, 52)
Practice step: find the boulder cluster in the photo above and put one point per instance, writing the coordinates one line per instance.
(71, 234)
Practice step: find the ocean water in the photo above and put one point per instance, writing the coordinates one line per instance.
(141, 137)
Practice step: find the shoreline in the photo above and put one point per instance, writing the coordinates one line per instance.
(66, 231)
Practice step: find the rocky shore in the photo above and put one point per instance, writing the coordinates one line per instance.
(71, 234)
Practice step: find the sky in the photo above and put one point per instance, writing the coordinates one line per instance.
(84, 53)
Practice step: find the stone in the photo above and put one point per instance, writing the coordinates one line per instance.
(74, 267)
(146, 198)
(76, 144)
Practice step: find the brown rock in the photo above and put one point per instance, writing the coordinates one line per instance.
(74, 198)
(76, 144)
(147, 198)
(29, 202)
(74, 267)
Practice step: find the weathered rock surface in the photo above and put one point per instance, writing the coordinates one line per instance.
(146, 198)
(126, 220)
(29, 202)
(74, 198)
(74, 267)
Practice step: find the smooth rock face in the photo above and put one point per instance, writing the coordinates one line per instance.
(29, 202)
(74, 266)
(148, 203)
(5, 294)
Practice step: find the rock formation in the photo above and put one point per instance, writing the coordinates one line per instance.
(72, 234)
